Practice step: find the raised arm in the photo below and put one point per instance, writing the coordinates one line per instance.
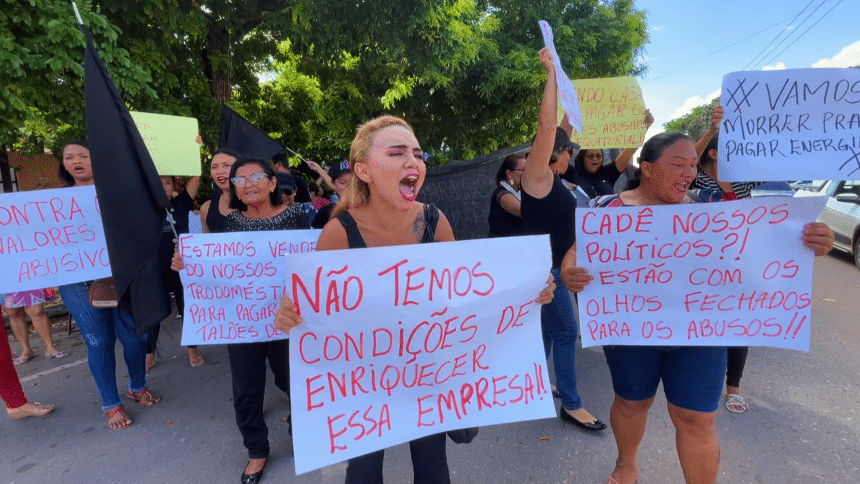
(714, 128)
(192, 186)
(323, 176)
(537, 176)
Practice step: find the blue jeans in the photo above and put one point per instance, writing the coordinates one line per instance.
(100, 329)
(558, 325)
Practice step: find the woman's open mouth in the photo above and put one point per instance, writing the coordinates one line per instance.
(408, 187)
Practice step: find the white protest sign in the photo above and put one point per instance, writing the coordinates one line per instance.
(233, 283)
(50, 238)
(790, 125)
(700, 274)
(402, 342)
(566, 92)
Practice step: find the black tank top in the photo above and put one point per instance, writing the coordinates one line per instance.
(216, 222)
(356, 241)
(553, 215)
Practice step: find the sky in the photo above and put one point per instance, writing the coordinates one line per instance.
(690, 46)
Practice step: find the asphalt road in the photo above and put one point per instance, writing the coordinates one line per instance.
(803, 425)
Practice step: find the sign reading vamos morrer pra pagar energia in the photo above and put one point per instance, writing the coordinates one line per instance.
(795, 124)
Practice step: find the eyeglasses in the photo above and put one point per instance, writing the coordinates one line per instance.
(256, 178)
(288, 192)
(594, 156)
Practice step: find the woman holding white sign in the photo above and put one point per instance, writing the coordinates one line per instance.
(101, 327)
(379, 209)
(258, 204)
(692, 376)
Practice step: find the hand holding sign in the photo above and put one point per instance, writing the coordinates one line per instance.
(818, 237)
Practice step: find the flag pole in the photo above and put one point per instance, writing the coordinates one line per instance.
(77, 14)
(166, 210)
(293, 152)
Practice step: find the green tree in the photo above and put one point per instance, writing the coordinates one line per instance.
(464, 72)
(42, 53)
(696, 122)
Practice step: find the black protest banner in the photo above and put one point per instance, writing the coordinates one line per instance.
(462, 191)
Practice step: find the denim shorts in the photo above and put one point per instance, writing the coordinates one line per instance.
(692, 375)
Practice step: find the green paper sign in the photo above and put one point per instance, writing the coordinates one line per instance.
(171, 141)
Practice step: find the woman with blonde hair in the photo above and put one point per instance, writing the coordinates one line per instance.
(379, 209)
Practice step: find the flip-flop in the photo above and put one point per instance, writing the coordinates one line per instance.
(42, 410)
(57, 355)
(195, 362)
(736, 403)
(23, 359)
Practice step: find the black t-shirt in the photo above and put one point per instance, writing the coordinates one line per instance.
(553, 215)
(302, 193)
(601, 182)
(180, 206)
(323, 216)
(215, 222)
(502, 223)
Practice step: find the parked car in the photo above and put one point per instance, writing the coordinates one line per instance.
(841, 212)
(772, 189)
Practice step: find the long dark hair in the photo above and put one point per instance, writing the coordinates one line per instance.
(62, 172)
(652, 150)
(706, 159)
(509, 163)
(276, 197)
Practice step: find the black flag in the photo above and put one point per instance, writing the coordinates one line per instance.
(131, 197)
(238, 134)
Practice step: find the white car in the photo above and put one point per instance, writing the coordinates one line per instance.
(841, 212)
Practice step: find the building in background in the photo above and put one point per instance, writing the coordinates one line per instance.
(22, 173)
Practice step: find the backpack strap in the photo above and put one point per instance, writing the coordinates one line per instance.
(353, 235)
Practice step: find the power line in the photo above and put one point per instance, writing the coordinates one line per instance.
(718, 51)
(805, 31)
(779, 34)
(797, 27)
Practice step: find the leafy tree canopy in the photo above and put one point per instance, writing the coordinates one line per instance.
(463, 72)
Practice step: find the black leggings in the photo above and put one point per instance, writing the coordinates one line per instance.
(735, 367)
(248, 373)
(429, 463)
